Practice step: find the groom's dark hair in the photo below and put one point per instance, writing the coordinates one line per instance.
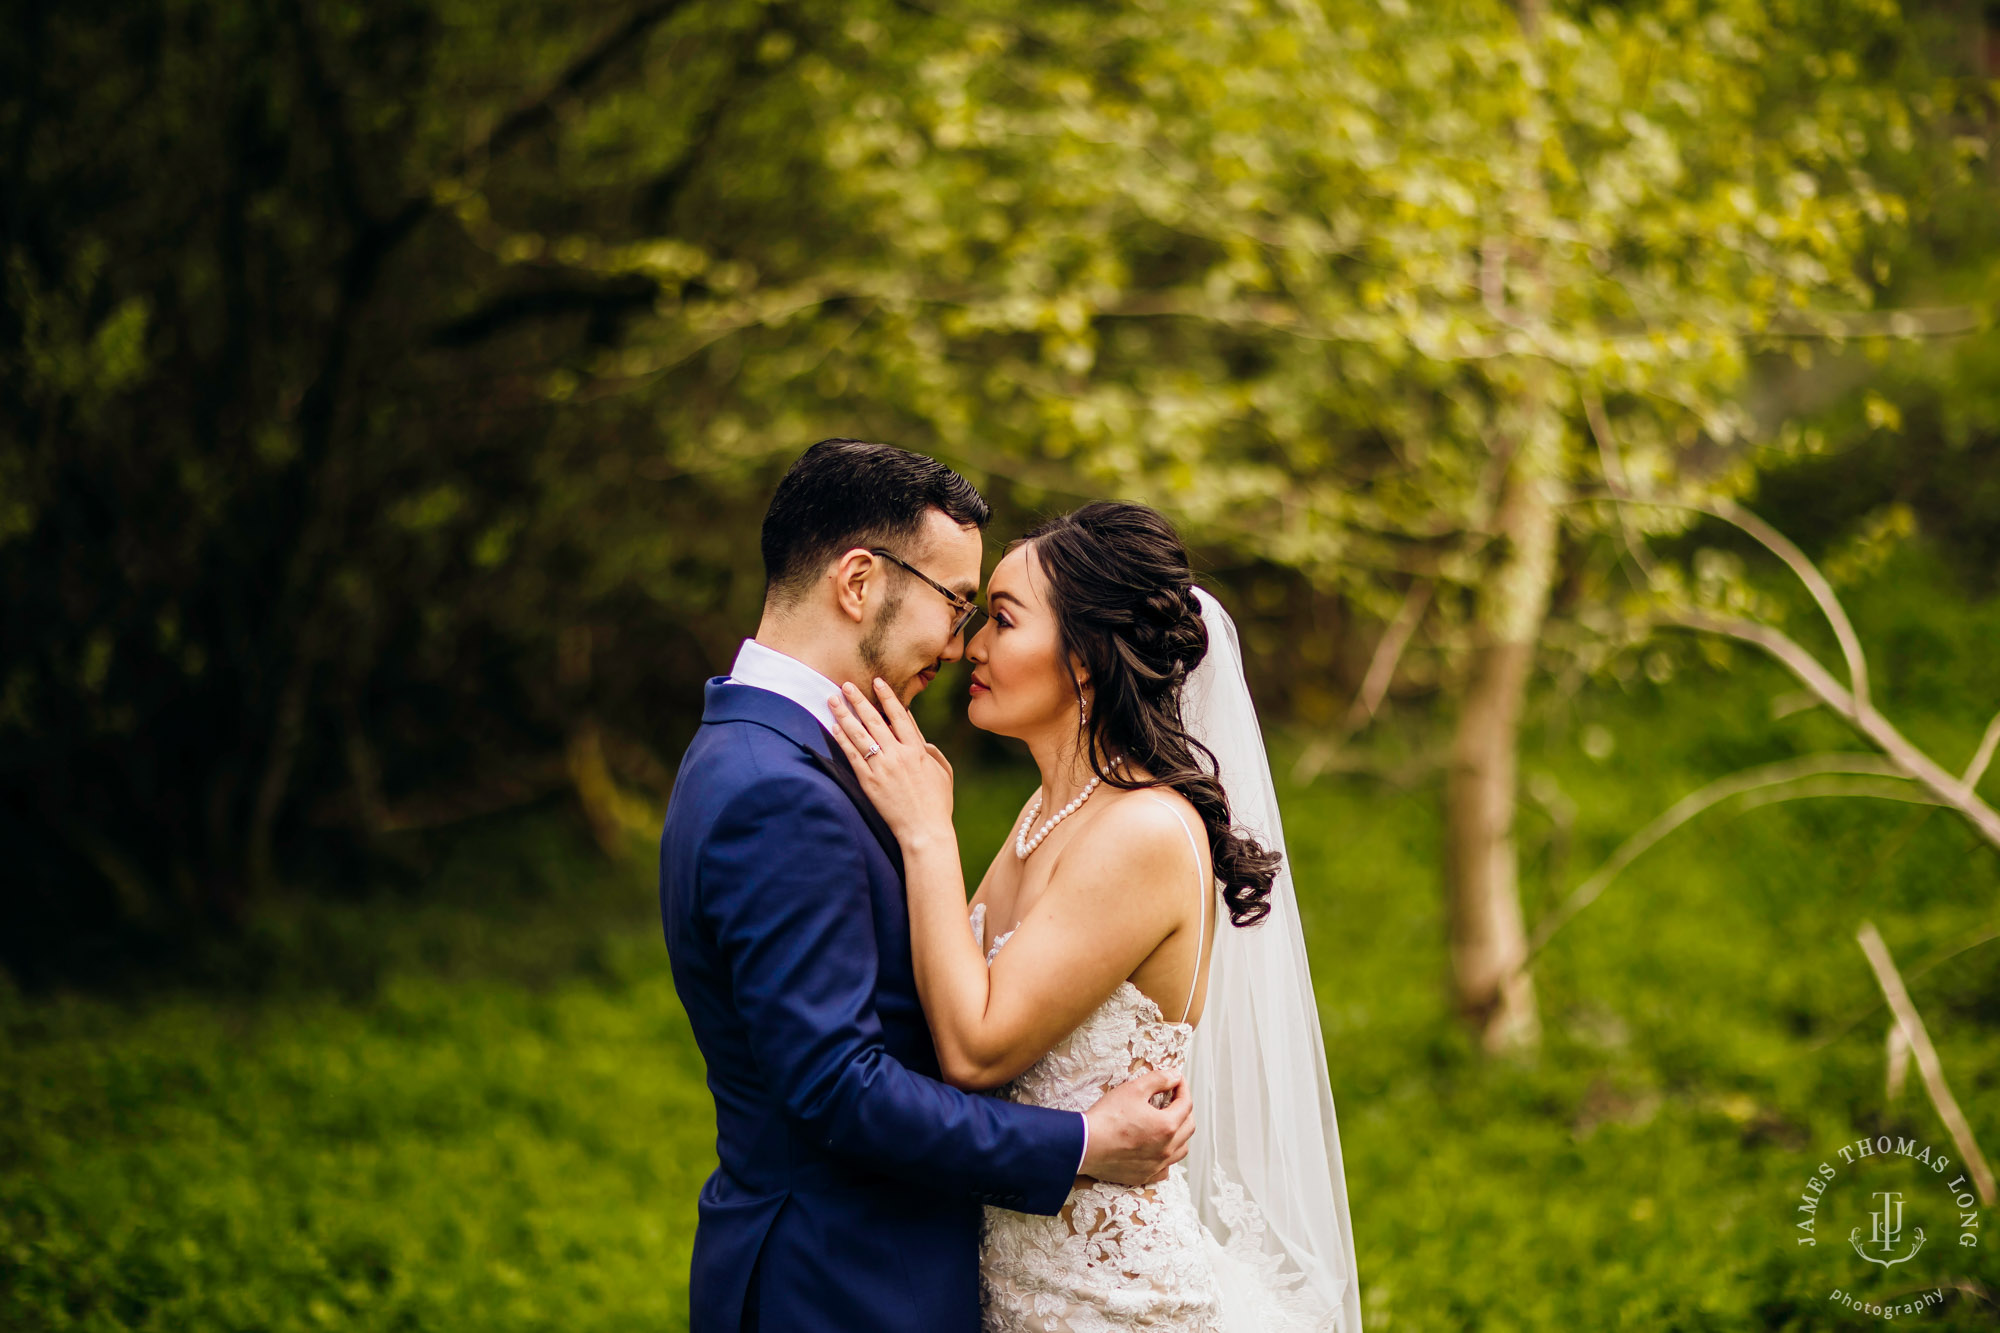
(841, 494)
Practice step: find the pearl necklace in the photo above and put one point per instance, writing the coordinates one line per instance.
(1023, 844)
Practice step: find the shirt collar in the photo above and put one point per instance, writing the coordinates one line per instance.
(766, 668)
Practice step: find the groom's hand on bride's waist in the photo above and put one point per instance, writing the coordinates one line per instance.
(1133, 1139)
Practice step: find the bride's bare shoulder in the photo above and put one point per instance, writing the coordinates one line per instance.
(1141, 839)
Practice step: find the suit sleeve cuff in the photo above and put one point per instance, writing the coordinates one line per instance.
(1084, 1156)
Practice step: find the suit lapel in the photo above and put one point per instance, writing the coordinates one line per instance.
(841, 771)
(727, 701)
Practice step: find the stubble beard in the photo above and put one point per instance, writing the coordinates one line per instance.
(872, 645)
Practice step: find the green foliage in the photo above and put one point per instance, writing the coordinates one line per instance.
(501, 1124)
(387, 392)
(1315, 277)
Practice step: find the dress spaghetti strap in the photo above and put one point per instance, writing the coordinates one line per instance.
(1201, 906)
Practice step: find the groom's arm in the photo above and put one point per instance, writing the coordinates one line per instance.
(784, 887)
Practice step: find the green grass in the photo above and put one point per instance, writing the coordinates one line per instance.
(471, 1146)
(479, 1107)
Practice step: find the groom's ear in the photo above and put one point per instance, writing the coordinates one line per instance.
(850, 578)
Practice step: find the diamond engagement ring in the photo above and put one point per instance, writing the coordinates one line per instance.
(871, 752)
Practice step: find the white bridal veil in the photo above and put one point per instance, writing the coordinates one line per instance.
(1264, 1165)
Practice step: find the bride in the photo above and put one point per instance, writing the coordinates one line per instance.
(1141, 917)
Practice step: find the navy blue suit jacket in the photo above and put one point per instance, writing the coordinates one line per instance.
(850, 1180)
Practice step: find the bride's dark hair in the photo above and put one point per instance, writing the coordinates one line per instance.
(1124, 604)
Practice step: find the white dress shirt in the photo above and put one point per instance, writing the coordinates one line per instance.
(781, 674)
(768, 669)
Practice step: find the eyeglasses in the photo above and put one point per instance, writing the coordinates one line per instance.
(966, 609)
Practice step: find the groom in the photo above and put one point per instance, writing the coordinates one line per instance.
(851, 1178)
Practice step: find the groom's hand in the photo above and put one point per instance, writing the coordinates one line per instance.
(1132, 1140)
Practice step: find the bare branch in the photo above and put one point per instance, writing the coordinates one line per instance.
(1822, 591)
(1929, 965)
(1928, 1064)
(1405, 774)
(1382, 666)
(1912, 762)
(1953, 321)
(1779, 645)
(1313, 760)
(1943, 785)
(1897, 788)
(1792, 701)
(1614, 477)
(1899, 1064)
(1984, 754)
(1779, 545)
(1970, 1287)
(1765, 778)
(1555, 803)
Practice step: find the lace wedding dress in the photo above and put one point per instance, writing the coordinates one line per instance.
(1117, 1257)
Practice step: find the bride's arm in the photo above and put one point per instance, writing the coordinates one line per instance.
(1102, 914)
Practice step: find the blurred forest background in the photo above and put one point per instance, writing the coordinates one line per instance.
(1591, 412)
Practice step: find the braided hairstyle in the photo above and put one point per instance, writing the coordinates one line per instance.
(1124, 603)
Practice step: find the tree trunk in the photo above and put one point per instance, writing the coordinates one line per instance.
(1488, 936)
(1482, 892)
